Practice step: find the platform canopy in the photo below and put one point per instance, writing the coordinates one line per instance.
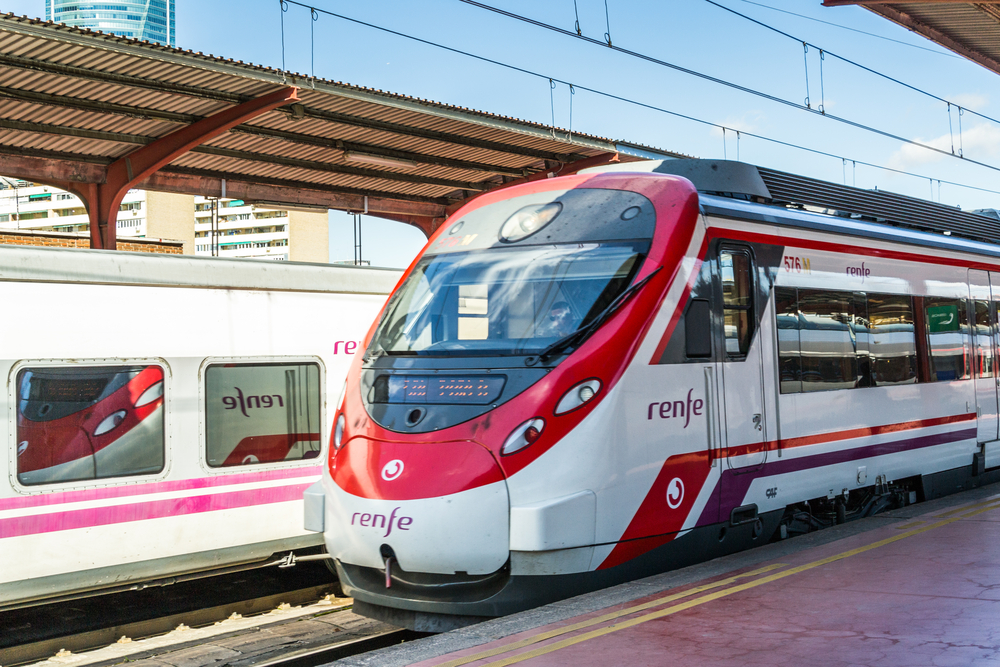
(970, 29)
(98, 114)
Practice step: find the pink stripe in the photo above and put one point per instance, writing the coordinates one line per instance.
(103, 516)
(62, 497)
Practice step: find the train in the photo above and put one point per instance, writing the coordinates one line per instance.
(598, 377)
(164, 414)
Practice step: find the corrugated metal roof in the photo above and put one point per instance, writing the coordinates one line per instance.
(81, 97)
(971, 29)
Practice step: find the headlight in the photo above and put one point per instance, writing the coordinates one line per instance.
(577, 396)
(150, 395)
(528, 220)
(110, 422)
(522, 436)
(338, 431)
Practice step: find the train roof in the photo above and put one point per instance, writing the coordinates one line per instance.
(63, 265)
(738, 189)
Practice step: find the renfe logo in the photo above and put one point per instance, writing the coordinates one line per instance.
(392, 470)
(675, 493)
(678, 409)
(858, 271)
(262, 401)
(379, 521)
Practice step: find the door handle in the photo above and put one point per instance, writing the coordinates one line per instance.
(756, 422)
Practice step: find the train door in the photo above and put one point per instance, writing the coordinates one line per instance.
(984, 360)
(742, 363)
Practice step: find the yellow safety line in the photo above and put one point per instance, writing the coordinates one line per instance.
(534, 639)
(982, 507)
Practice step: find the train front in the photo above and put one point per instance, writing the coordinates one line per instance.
(495, 346)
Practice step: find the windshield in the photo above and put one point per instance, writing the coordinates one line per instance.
(504, 301)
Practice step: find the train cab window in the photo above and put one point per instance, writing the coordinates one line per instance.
(985, 360)
(261, 413)
(947, 326)
(736, 269)
(89, 422)
(473, 312)
(891, 339)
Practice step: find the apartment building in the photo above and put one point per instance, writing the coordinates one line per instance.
(235, 228)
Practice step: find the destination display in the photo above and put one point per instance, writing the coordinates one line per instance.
(451, 389)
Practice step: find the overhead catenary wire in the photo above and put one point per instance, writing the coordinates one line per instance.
(644, 105)
(736, 86)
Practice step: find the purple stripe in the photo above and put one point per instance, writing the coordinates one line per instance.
(103, 516)
(732, 486)
(62, 497)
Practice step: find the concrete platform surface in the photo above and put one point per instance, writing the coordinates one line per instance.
(916, 586)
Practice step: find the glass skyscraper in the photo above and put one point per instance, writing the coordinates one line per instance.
(152, 20)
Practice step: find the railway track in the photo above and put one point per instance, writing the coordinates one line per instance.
(259, 606)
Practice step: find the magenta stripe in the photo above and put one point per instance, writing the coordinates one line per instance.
(103, 516)
(62, 497)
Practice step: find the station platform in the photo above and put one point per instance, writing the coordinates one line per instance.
(915, 586)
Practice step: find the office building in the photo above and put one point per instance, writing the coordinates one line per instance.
(150, 20)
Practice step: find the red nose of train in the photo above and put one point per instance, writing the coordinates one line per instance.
(434, 507)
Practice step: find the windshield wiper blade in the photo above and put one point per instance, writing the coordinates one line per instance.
(584, 331)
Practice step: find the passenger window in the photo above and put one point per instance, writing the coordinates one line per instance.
(827, 340)
(947, 334)
(892, 339)
(737, 300)
(984, 339)
(473, 312)
(787, 311)
(89, 422)
(261, 413)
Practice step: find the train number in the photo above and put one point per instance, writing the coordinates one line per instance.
(798, 265)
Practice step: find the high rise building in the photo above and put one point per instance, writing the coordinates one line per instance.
(152, 20)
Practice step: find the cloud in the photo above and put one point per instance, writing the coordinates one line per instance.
(979, 142)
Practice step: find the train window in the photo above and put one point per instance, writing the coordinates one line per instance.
(473, 312)
(985, 360)
(947, 326)
(737, 300)
(787, 310)
(261, 413)
(892, 339)
(89, 422)
(827, 340)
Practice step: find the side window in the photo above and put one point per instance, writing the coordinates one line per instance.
(892, 339)
(473, 312)
(736, 269)
(261, 413)
(947, 335)
(787, 313)
(89, 422)
(827, 340)
(984, 339)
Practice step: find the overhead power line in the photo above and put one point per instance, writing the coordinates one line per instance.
(645, 105)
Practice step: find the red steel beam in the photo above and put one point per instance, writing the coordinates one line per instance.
(102, 196)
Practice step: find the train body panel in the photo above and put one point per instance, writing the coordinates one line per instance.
(164, 414)
(763, 368)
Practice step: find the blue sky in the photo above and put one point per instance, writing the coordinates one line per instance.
(694, 34)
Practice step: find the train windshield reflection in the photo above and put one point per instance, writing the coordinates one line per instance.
(506, 301)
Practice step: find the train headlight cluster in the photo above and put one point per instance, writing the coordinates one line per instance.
(577, 396)
(338, 431)
(110, 422)
(528, 220)
(522, 436)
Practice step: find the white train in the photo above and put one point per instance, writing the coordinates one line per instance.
(595, 378)
(163, 414)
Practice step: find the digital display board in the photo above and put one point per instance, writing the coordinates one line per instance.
(440, 389)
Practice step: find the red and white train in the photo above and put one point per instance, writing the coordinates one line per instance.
(598, 377)
(164, 413)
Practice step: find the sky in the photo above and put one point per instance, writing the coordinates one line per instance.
(625, 98)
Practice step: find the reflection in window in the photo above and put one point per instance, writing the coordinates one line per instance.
(473, 312)
(262, 413)
(737, 300)
(827, 340)
(947, 332)
(787, 310)
(984, 339)
(892, 341)
(79, 423)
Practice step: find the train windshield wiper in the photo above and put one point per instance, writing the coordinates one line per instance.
(584, 331)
